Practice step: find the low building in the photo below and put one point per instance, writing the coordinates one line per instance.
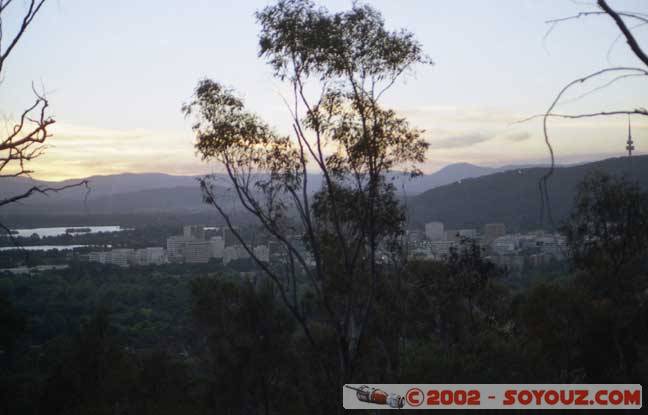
(197, 252)
(122, 257)
(150, 256)
(415, 236)
(98, 256)
(505, 245)
(441, 249)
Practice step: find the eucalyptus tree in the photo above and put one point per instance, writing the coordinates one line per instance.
(338, 66)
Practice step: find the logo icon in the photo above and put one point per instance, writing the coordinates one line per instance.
(377, 396)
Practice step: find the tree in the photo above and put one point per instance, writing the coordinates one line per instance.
(338, 66)
(608, 229)
(26, 139)
(608, 240)
(249, 345)
(13, 325)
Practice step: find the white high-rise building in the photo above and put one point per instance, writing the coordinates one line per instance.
(434, 231)
(176, 246)
(191, 246)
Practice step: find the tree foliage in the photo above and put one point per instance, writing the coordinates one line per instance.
(343, 133)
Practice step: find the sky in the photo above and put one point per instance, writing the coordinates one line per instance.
(116, 74)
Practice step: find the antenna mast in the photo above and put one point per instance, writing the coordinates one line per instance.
(630, 144)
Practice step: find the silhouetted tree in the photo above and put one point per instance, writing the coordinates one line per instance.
(608, 243)
(349, 60)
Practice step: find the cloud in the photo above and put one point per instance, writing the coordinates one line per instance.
(465, 115)
(459, 141)
(518, 137)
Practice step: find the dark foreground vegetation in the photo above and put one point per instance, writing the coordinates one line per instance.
(94, 339)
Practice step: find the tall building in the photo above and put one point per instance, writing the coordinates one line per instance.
(181, 248)
(176, 247)
(434, 231)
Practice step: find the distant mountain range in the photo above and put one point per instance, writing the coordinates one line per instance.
(120, 190)
(459, 194)
(158, 192)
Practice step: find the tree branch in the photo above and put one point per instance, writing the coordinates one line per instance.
(632, 42)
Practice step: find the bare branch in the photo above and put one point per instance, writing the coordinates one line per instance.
(43, 191)
(549, 113)
(632, 42)
(619, 37)
(637, 16)
(32, 10)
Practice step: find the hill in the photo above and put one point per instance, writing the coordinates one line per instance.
(512, 197)
(157, 191)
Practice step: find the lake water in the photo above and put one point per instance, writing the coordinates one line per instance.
(42, 232)
(42, 247)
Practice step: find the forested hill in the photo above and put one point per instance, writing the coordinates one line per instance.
(512, 197)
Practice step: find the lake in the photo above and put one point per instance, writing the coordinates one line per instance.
(42, 247)
(42, 232)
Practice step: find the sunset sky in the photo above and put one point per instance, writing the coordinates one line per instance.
(118, 72)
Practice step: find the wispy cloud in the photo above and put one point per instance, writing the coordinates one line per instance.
(465, 140)
(518, 137)
(80, 151)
